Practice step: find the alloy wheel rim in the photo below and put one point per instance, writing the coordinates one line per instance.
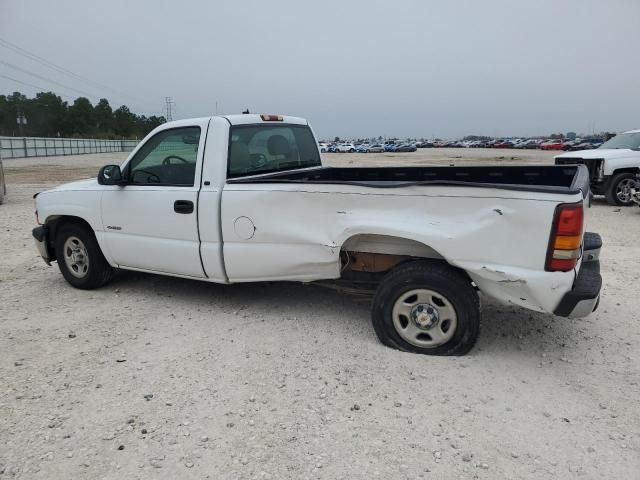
(424, 318)
(76, 257)
(623, 191)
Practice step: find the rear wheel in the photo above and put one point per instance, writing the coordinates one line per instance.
(80, 259)
(427, 307)
(619, 190)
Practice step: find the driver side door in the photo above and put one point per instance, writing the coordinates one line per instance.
(151, 223)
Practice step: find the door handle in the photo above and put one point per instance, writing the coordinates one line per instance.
(183, 206)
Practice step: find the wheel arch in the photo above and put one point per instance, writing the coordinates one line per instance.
(53, 224)
(380, 253)
(625, 170)
(388, 244)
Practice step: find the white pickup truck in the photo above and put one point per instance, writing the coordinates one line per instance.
(612, 167)
(245, 198)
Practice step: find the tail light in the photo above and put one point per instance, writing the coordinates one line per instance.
(566, 238)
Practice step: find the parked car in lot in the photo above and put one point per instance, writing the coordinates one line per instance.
(3, 184)
(612, 167)
(567, 145)
(528, 145)
(362, 148)
(245, 198)
(345, 147)
(587, 144)
(390, 147)
(406, 147)
(376, 148)
(324, 148)
(554, 144)
(503, 144)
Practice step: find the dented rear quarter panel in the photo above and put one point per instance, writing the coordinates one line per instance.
(499, 237)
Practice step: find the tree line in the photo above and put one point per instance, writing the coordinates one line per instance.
(47, 115)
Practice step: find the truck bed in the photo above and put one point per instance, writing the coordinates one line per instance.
(567, 179)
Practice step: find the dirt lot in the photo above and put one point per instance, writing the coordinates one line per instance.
(156, 377)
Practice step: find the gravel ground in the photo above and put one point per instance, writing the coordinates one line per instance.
(157, 377)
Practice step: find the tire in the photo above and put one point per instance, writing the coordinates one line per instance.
(80, 259)
(618, 183)
(440, 291)
(324, 150)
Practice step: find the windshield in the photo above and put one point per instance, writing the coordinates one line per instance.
(624, 140)
(266, 148)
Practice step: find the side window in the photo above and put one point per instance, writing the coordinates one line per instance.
(168, 158)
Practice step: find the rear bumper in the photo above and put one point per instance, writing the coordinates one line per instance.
(40, 235)
(584, 297)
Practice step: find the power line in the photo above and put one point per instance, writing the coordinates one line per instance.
(27, 84)
(20, 69)
(43, 61)
(67, 97)
(39, 59)
(15, 67)
(43, 89)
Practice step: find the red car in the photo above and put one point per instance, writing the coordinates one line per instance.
(555, 144)
(503, 144)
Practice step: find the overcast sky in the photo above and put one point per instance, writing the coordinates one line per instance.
(398, 67)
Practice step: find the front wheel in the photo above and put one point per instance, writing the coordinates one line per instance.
(80, 259)
(619, 190)
(428, 308)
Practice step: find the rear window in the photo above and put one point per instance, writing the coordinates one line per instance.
(255, 149)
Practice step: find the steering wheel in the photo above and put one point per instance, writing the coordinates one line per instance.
(167, 160)
(258, 160)
(151, 177)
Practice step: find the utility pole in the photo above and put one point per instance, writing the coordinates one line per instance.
(170, 105)
(21, 120)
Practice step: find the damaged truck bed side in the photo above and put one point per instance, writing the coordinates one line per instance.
(245, 198)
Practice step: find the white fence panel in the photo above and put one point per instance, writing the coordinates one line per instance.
(20, 147)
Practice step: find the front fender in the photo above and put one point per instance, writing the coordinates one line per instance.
(614, 164)
(84, 205)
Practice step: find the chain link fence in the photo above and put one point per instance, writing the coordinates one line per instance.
(20, 147)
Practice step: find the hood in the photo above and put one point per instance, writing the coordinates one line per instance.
(601, 153)
(88, 184)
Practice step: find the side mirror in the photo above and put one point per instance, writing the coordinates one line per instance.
(110, 175)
